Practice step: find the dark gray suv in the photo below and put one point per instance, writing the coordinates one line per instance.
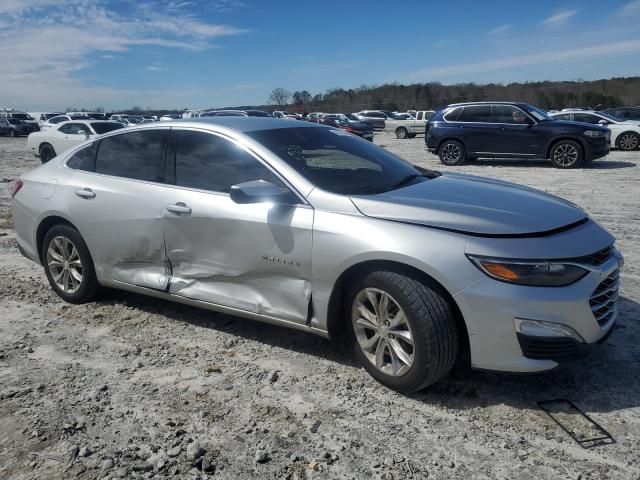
(467, 131)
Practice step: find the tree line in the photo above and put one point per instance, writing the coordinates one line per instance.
(613, 92)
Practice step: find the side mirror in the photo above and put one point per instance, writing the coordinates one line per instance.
(256, 191)
(604, 123)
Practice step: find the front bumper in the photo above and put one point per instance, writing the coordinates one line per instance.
(597, 148)
(492, 310)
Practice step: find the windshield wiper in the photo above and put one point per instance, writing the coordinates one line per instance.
(404, 181)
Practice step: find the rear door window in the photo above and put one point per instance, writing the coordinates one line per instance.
(586, 118)
(74, 128)
(136, 155)
(476, 114)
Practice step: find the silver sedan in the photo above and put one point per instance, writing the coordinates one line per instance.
(310, 227)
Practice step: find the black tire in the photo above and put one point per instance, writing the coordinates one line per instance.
(88, 286)
(566, 154)
(432, 323)
(402, 133)
(46, 153)
(452, 152)
(628, 141)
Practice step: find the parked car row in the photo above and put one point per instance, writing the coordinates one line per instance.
(48, 143)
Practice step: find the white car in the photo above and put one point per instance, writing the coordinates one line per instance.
(625, 134)
(58, 119)
(43, 117)
(46, 144)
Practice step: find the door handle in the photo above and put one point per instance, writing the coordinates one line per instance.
(179, 208)
(85, 193)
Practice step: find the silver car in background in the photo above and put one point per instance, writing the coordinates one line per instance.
(309, 227)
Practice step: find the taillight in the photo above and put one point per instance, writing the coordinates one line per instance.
(15, 187)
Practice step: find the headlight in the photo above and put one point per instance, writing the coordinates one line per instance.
(529, 272)
(594, 133)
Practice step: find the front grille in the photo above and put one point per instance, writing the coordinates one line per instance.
(603, 301)
(600, 257)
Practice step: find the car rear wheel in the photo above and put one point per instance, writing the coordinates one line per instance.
(452, 152)
(402, 133)
(566, 154)
(404, 331)
(68, 265)
(628, 141)
(46, 153)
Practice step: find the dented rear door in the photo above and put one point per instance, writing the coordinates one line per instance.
(118, 207)
(255, 258)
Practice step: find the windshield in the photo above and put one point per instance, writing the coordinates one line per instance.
(22, 116)
(537, 113)
(337, 161)
(608, 116)
(104, 127)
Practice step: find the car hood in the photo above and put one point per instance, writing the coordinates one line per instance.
(360, 125)
(473, 205)
(571, 123)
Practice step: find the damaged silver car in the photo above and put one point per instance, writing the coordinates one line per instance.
(310, 227)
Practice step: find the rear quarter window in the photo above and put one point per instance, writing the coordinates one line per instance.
(84, 159)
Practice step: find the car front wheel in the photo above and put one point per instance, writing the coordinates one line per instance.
(68, 264)
(404, 330)
(567, 154)
(628, 141)
(452, 152)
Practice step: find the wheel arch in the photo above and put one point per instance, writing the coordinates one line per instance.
(625, 132)
(446, 139)
(336, 323)
(553, 142)
(45, 225)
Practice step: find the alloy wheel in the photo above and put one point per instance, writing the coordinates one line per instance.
(451, 153)
(628, 141)
(565, 155)
(383, 332)
(65, 266)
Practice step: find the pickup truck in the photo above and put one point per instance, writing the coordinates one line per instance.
(410, 127)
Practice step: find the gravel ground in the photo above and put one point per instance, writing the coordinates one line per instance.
(132, 387)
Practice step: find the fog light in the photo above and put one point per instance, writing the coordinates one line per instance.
(540, 328)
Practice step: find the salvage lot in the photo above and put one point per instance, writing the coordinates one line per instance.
(130, 383)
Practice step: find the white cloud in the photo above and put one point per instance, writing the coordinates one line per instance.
(538, 58)
(560, 18)
(57, 41)
(501, 29)
(630, 8)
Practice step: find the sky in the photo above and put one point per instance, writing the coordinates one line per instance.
(214, 53)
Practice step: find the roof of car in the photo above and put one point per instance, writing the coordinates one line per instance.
(246, 124)
(502, 102)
